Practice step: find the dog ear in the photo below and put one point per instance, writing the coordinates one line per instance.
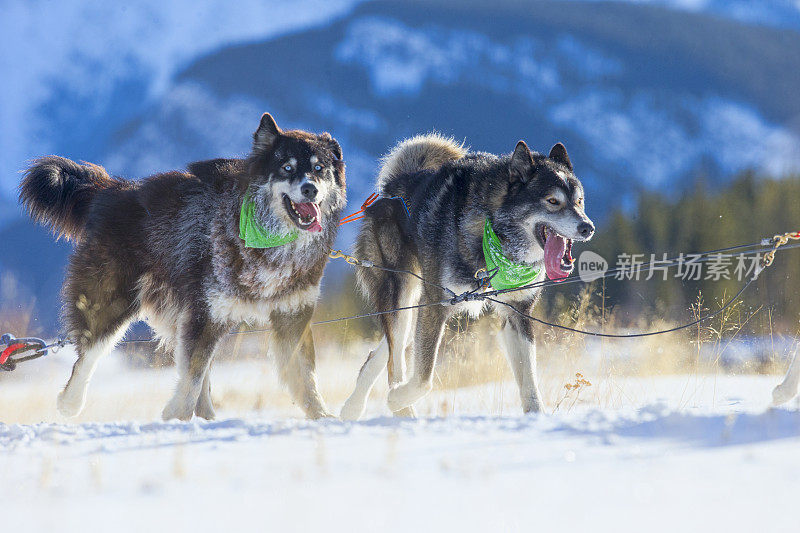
(337, 150)
(266, 134)
(338, 164)
(521, 167)
(559, 153)
(333, 144)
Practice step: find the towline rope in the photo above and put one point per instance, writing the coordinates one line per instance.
(11, 356)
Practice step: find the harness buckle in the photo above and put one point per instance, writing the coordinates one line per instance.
(336, 254)
(16, 347)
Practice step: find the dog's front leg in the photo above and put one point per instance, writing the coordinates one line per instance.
(520, 350)
(430, 325)
(294, 354)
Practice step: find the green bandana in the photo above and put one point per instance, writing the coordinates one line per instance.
(253, 233)
(510, 275)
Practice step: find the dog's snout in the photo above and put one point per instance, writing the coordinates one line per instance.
(309, 191)
(585, 229)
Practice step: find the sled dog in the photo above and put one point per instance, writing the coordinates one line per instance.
(526, 207)
(194, 253)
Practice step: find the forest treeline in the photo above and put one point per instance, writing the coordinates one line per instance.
(707, 217)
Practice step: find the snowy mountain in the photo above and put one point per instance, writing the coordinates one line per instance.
(645, 94)
(775, 13)
(650, 109)
(644, 91)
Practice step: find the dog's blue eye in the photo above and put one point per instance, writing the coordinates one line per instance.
(288, 168)
(317, 167)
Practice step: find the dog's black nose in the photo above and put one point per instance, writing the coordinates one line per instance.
(309, 190)
(585, 229)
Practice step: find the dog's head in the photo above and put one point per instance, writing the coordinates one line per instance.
(543, 211)
(297, 178)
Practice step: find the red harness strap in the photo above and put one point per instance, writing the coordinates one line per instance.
(350, 218)
(9, 351)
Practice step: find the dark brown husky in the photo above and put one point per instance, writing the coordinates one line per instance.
(167, 250)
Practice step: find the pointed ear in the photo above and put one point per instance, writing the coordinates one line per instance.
(337, 150)
(333, 145)
(266, 134)
(559, 153)
(521, 163)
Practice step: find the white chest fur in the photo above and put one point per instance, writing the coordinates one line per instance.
(229, 308)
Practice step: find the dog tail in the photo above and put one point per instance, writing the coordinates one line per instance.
(420, 152)
(57, 193)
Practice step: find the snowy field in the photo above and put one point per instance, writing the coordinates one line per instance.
(665, 453)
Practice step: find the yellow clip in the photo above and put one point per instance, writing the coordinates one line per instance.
(780, 240)
(336, 254)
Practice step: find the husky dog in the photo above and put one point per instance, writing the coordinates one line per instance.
(167, 250)
(535, 207)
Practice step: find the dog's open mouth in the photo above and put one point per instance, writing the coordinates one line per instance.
(305, 215)
(558, 261)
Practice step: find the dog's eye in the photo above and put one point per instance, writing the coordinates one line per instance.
(552, 201)
(287, 168)
(317, 167)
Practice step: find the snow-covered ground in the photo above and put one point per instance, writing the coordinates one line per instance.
(650, 453)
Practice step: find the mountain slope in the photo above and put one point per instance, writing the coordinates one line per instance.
(645, 95)
(642, 96)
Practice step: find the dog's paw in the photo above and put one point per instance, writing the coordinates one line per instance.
(407, 412)
(205, 407)
(322, 416)
(352, 409)
(206, 412)
(782, 394)
(317, 415)
(531, 406)
(70, 404)
(179, 411)
(405, 394)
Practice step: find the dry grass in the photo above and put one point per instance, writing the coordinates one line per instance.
(573, 369)
(470, 355)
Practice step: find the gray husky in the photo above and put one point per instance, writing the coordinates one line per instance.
(533, 204)
(194, 254)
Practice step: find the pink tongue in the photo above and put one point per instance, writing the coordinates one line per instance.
(308, 210)
(554, 249)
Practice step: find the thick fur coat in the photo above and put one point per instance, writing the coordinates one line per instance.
(167, 250)
(535, 206)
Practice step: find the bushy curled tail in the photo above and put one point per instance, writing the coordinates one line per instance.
(58, 192)
(420, 152)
